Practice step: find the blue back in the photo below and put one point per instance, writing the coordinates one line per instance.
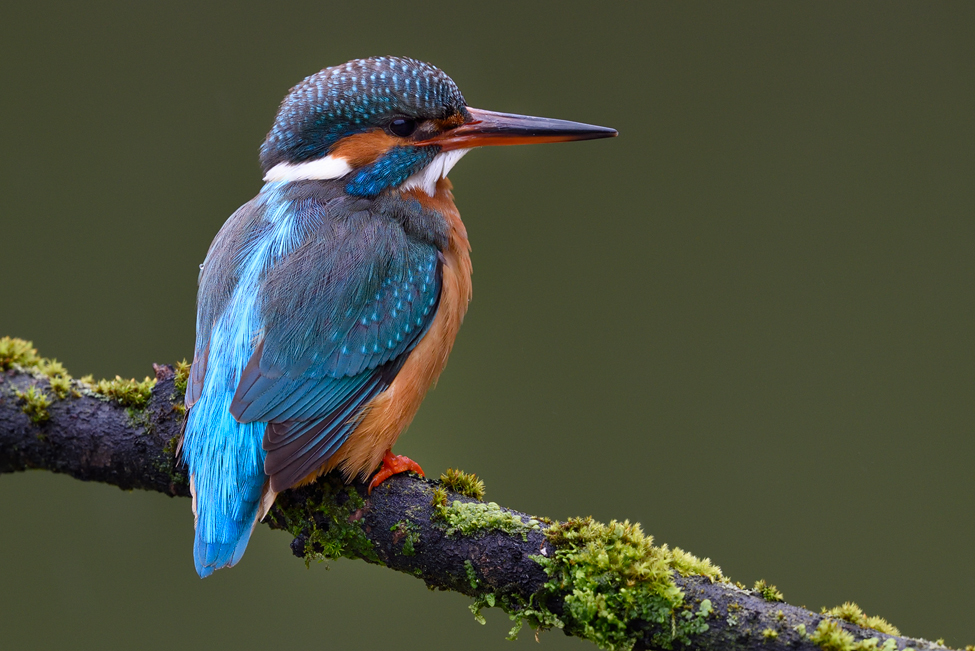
(310, 300)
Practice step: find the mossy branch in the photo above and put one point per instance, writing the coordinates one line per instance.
(605, 583)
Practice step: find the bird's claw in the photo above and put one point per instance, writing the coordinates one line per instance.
(393, 464)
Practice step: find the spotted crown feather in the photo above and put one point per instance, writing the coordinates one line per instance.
(339, 101)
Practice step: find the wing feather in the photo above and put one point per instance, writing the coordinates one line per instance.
(340, 316)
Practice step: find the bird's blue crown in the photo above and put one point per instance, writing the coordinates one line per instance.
(355, 97)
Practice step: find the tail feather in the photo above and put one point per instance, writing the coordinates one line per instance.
(221, 537)
(210, 556)
(227, 480)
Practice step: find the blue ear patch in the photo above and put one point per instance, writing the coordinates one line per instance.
(399, 164)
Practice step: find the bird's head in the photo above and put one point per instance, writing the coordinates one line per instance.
(391, 122)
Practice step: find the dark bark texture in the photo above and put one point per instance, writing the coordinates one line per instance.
(94, 439)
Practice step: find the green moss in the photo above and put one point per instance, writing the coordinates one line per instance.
(409, 533)
(521, 613)
(465, 483)
(852, 613)
(607, 576)
(612, 574)
(17, 352)
(409, 548)
(471, 575)
(694, 622)
(339, 533)
(61, 386)
(172, 445)
(20, 353)
(168, 465)
(35, 404)
(439, 500)
(687, 564)
(830, 636)
(467, 518)
(768, 592)
(769, 634)
(182, 376)
(52, 368)
(128, 393)
(58, 377)
(479, 605)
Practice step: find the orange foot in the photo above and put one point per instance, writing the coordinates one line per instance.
(393, 464)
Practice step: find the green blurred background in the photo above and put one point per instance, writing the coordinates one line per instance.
(746, 323)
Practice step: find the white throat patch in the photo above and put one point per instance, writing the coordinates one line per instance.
(426, 179)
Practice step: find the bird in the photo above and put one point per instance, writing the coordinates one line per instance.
(328, 304)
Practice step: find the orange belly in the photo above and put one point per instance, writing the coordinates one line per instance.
(391, 412)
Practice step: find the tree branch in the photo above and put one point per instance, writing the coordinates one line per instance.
(605, 583)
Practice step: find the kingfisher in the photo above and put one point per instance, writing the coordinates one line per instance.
(328, 303)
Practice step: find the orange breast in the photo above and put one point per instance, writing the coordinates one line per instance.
(392, 411)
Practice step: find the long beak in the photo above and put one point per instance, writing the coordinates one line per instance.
(492, 128)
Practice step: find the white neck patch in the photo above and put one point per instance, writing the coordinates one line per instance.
(335, 167)
(330, 167)
(426, 179)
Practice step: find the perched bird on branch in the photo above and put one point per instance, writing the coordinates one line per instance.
(328, 304)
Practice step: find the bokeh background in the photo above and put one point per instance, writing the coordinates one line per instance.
(746, 323)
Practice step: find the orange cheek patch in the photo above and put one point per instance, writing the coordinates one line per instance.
(365, 148)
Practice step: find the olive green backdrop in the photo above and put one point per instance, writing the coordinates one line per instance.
(746, 323)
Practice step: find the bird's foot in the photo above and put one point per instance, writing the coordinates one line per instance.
(393, 464)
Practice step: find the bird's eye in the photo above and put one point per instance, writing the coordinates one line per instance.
(402, 127)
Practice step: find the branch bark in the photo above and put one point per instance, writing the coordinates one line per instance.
(501, 557)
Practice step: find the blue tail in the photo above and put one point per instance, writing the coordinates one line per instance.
(221, 536)
(226, 464)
